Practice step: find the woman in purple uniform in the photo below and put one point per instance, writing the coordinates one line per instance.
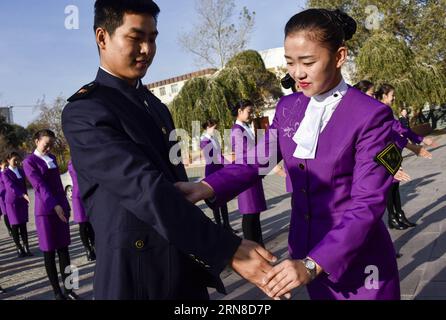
(3, 165)
(215, 161)
(16, 202)
(52, 211)
(251, 202)
(397, 217)
(331, 138)
(86, 231)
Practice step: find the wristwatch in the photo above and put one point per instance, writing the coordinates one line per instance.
(310, 265)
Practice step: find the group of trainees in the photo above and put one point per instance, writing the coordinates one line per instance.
(51, 209)
(329, 136)
(406, 138)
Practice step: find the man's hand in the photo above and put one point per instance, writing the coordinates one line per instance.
(195, 192)
(252, 262)
(25, 196)
(60, 213)
(402, 176)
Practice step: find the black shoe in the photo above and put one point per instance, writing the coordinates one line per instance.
(2, 290)
(401, 216)
(394, 223)
(70, 295)
(59, 296)
(21, 253)
(28, 252)
(91, 256)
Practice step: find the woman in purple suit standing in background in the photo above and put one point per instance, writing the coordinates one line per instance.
(3, 165)
(16, 202)
(215, 161)
(251, 202)
(86, 231)
(52, 211)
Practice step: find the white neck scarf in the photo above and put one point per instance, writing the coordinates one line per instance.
(247, 127)
(49, 162)
(214, 141)
(16, 171)
(318, 113)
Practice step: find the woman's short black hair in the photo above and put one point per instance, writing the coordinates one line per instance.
(385, 88)
(209, 123)
(109, 14)
(242, 104)
(44, 133)
(364, 85)
(330, 27)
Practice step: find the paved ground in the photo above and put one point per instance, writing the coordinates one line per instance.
(422, 266)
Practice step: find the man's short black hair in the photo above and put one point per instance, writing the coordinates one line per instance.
(109, 14)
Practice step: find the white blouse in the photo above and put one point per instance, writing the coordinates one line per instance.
(318, 113)
(49, 162)
(247, 127)
(16, 171)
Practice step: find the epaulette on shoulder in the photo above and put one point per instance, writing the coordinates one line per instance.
(84, 92)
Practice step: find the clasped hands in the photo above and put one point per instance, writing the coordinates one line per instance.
(252, 261)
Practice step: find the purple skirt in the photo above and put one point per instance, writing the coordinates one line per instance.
(252, 200)
(79, 214)
(17, 212)
(52, 232)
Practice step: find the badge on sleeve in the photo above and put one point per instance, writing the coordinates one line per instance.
(84, 91)
(390, 158)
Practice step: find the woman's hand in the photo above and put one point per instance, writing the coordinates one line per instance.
(25, 196)
(195, 192)
(430, 142)
(60, 213)
(284, 277)
(402, 176)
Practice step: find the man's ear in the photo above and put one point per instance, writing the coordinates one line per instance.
(341, 56)
(101, 35)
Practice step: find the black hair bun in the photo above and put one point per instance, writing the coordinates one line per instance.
(288, 82)
(234, 109)
(347, 23)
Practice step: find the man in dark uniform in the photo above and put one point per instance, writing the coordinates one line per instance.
(151, 242)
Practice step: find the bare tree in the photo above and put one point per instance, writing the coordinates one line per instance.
(215, 38)
(51, 118)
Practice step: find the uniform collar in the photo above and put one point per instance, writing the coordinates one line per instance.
(337, 93)
(242, 124)
(109, 79)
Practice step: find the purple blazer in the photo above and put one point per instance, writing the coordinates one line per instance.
(406, 132)
(338, 198)
(213, 157)
(47, 186)
(79, 213)
(16, 206)
(251, 200)
(2, 195)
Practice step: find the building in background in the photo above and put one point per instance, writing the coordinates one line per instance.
(6, 112)
(167, 90)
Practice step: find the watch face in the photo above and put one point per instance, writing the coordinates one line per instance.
(310, 264)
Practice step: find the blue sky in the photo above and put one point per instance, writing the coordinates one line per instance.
(40, 57)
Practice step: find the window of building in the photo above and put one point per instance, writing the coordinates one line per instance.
(174, 88)
(163, 91)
